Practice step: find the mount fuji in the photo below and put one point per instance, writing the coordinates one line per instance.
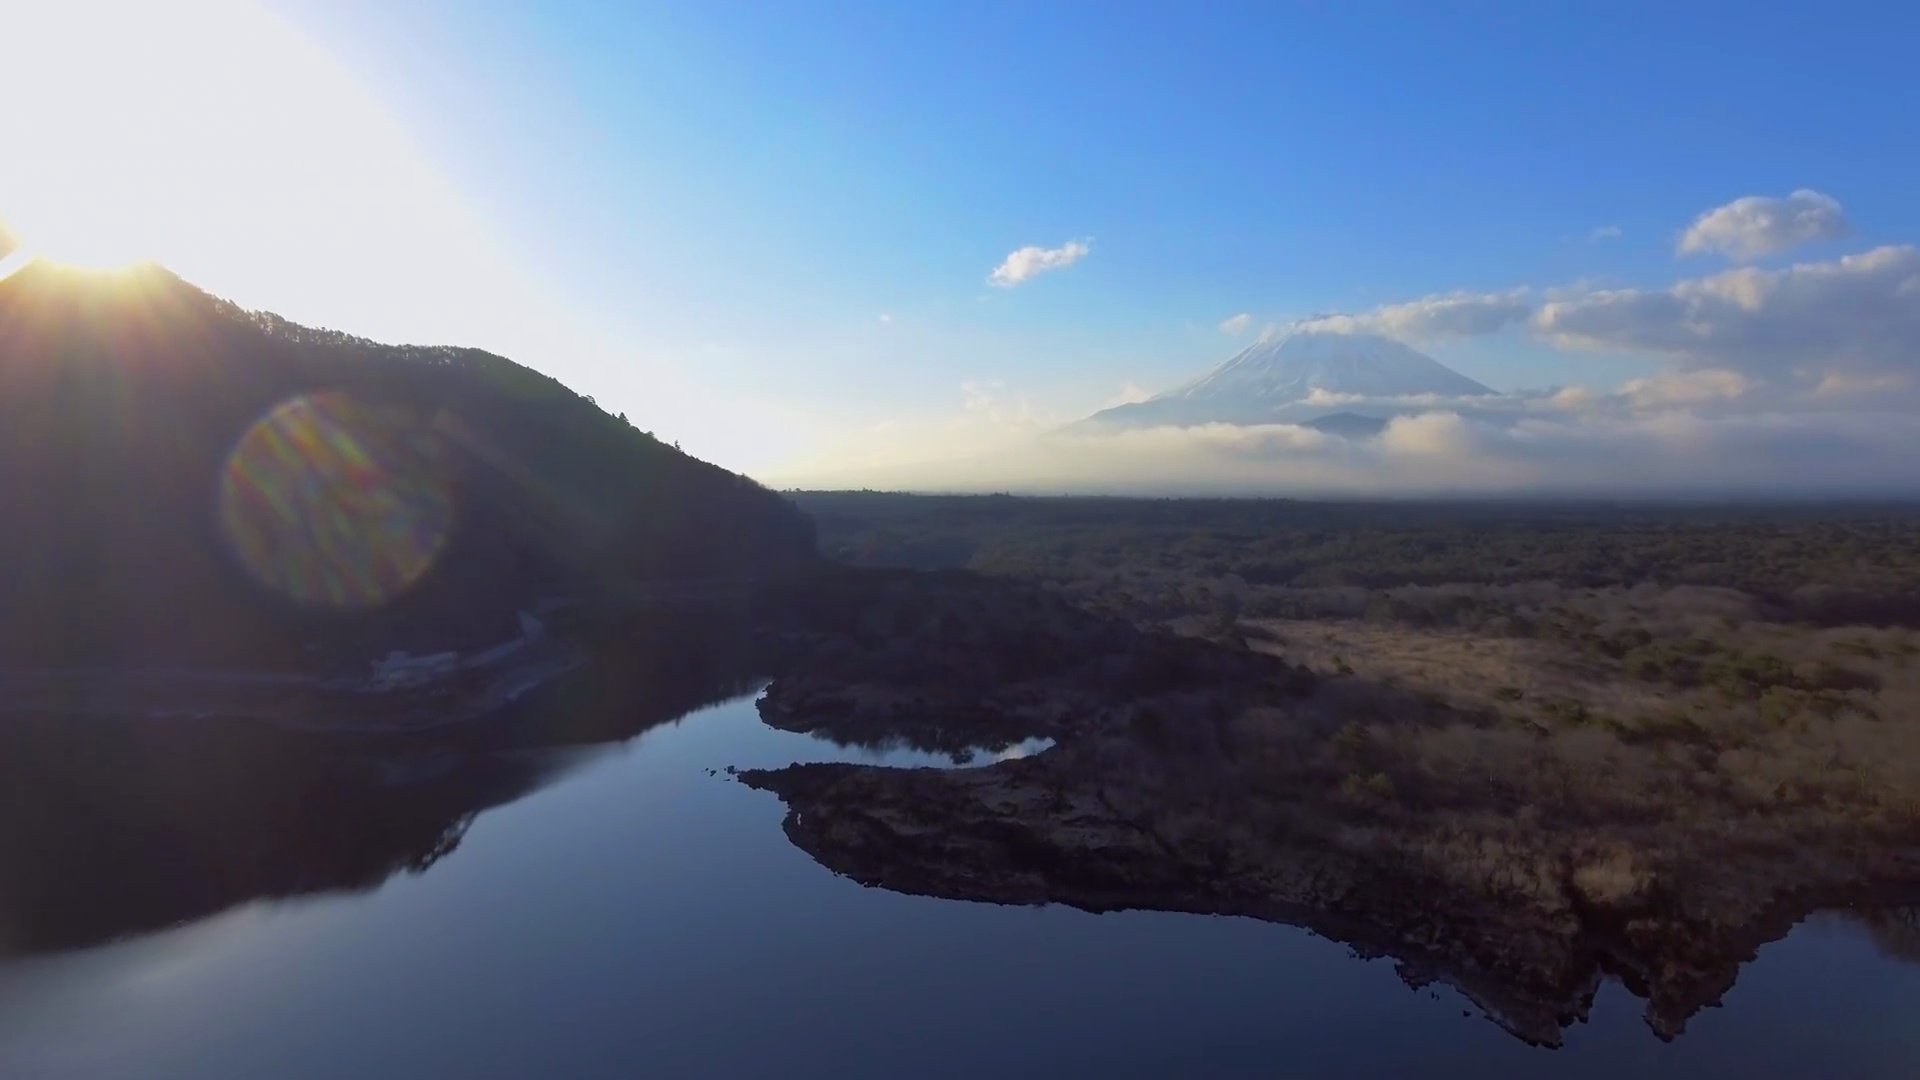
(1274, 381)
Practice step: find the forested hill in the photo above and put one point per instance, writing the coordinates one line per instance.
(184, 481)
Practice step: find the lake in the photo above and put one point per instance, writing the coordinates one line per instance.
(626, 908)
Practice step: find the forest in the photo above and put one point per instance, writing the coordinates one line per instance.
(188, 482)
(1621, 661)
(1732, 626)
(1639, 739)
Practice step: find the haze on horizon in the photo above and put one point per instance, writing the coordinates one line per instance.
(911, 248)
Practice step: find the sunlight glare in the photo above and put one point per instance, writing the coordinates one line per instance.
(214, 138)
(217, 139)
(333, 502)
(14, 262)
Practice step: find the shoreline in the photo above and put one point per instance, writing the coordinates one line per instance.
(1207, 775)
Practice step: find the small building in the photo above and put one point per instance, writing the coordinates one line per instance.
(402, 669)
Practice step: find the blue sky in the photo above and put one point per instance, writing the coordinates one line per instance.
(751, 186)
(734, 195)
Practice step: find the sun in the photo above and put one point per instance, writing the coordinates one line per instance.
(191, 133)
(85, 117)
(77, 241)
(220, 140)
(71, 238)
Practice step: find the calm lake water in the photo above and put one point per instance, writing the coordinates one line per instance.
(619, 911)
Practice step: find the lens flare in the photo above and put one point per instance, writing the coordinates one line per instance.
(336, 503)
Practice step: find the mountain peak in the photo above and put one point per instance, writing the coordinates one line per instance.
(1292, 365)
(1292, 369)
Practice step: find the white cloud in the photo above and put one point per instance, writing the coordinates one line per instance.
(1572, 398)
(1846, 384)
(1322, 398)
(1716, 431)
(1031, 261)
(1793, 380)
(1670, 451)
(1760, 225)
(1685, 388)
(1130, 393)
(1604, 232)
(1455, 314)
(981, 395)
(988, 418)
(1859, 313)
(886, 319)
(1428, 434)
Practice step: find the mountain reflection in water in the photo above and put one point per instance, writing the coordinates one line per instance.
(115, 827)
(638, 916)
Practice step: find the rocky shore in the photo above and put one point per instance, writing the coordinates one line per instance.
(1190, 775)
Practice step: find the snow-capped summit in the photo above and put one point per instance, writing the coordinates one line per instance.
(1292, 365)
(1267, 377)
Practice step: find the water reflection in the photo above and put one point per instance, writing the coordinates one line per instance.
(1895, 930)
(902, 753)
(645, 918)
(109, 828)
(114, 828)
(641, 916)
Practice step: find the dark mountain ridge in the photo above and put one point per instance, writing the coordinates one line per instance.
(188, 482)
